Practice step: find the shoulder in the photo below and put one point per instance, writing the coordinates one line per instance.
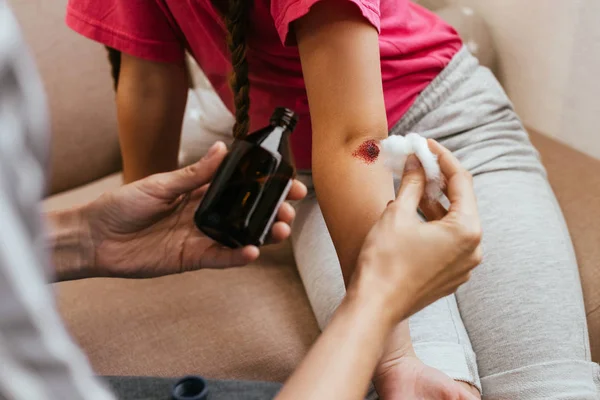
(285, 12)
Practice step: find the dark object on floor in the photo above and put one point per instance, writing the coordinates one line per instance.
(190, 388)
(148, 388)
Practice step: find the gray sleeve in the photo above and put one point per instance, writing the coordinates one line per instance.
(38, 359)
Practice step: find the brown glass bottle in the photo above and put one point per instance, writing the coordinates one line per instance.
(253, 180)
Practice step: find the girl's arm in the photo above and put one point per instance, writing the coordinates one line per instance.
(339, 50)
(151, 99)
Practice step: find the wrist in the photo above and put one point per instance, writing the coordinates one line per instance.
(71, 244)
(360, 299)
(390, 295)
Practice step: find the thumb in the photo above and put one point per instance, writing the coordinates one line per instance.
(193, 176)
(465, 395)
(412, 185)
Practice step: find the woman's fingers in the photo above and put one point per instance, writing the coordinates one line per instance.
(467, 393)
(279, 232)
(222, 257)
(432, 210)
(460, 190)
(187, 179)
(463, 217)
(286, 213)
(297, 191)
(412, 185)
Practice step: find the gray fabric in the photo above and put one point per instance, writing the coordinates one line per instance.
(148, 388)
(38, 360)
(518, 328)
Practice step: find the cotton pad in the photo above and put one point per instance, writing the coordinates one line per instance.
(396, 149)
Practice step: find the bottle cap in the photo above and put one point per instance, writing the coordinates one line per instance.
(190, 388)
(284, 117)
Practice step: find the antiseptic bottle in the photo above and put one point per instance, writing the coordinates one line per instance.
(253, 180)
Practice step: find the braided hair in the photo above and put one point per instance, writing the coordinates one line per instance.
(236, 16)
(237, 22)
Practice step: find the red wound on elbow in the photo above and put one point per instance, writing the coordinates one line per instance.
(368, 151)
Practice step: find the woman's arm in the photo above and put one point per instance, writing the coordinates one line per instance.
(403, 266)
(68, 242)
(151, 99)
(341, 362)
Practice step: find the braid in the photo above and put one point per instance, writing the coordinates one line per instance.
(114, 57)
(237, 23)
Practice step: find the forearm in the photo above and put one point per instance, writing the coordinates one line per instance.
(341, 64)
(352, 196)
(70, 245)
(340, 365)
(151, 101)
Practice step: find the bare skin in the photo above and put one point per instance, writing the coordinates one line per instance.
(339, 51)
(403, 266)
(340, 60)
(151, 100)
(145, 229)
(141, 230)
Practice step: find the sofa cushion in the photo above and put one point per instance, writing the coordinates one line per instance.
(248, 323)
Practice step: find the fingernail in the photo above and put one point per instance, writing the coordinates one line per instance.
(412, 164)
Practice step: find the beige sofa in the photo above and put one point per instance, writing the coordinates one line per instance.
(248, 323)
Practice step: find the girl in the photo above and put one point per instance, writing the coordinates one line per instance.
(366, 69)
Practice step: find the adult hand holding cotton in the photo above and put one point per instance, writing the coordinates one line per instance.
(395, 151)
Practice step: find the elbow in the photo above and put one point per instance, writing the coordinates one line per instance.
(353, 138)
(332, 152)
(368, 125)
(348, 132)
(344, 141)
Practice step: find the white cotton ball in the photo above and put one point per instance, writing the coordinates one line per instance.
(396, 149)
(430, 164)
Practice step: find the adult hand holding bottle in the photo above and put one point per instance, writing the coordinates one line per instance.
(145, 229)
(404, 265)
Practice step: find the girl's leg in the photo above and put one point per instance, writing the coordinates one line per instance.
(439, 336)
(317, 260)
(523, 308)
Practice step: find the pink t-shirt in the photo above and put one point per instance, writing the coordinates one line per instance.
(415, 45)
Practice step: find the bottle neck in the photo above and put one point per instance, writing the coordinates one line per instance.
(275, 140)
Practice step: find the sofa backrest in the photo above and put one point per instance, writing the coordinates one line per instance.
(78, 85)
(434, 4)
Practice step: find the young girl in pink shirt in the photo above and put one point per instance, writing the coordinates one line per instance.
(357, 70)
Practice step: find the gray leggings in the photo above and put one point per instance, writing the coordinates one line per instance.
(518, 329)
